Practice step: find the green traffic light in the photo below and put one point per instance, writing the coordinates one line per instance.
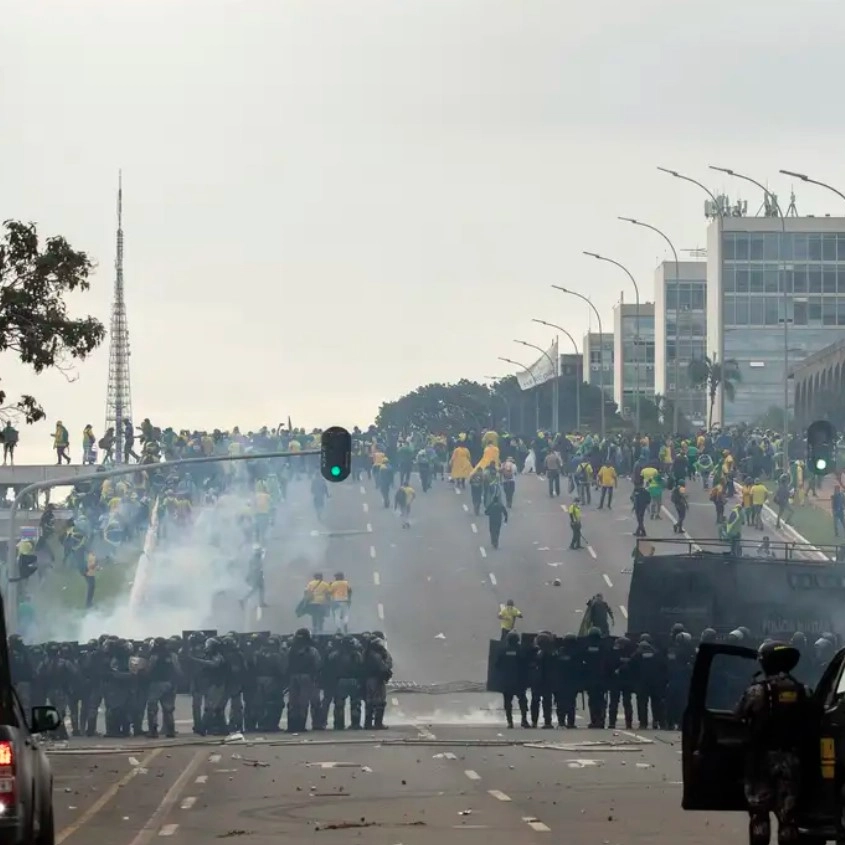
(821, 464)
(335, 471)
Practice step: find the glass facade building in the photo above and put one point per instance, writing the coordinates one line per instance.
(760, 276)
(633, 360)
(595, 346)
(680, 333)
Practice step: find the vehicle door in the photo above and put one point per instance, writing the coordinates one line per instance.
(713, 737)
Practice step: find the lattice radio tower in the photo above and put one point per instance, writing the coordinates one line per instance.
(119, 398)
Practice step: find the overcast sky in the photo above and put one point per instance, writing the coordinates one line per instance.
(330, 203)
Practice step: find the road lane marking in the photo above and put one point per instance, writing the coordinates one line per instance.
(377, 579)
(483, 551)
(498, 795)
(457, 491)
(201, 779)
(106, 797)
(466, 507)
(425, 733)
(624, 610)
(188, 802)
(472, 775)
(381, 611)
(474, 528)
(493, 579)
(363, 491)
(607, 580)
(592, 551)
(450, 755)
(537, 826)
(171, 797)
(394, 701)
(258, 613)
(372, 551)
(684, 533)
(369, 528)
(366, 507)
(214, 758)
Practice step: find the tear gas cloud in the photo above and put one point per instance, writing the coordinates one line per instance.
(194, 578)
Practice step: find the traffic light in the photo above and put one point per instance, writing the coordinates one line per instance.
(821, 447)
(335, 454)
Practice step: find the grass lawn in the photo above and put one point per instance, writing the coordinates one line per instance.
(814, 521)
(64, 588)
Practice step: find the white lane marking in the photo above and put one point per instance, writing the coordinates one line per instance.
(258, 613)
(483, 551)
(394, 701)
(214, 758)
(607, 580)
(369, 528)
(201, 779)
(474, 528)
(372, 551)
(493, 579)
(624, 610)
(472, 775)
(168, 830)
(381, 611)
(563, 507)
(188, 802)
(466, 507)
(366, 507)
(425, 733)
(376, 579)
(363, 491)
(539, 827)
(592, 551)
(457, 491)
(498, 795)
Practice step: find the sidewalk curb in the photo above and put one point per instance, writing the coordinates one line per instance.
(790, 531)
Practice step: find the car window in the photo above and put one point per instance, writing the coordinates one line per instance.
(730, 675)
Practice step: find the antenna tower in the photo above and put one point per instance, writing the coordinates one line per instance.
(119, 396)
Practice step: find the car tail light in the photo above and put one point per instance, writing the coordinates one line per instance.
(8, 786)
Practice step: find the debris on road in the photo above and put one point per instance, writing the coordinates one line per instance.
(440, 636)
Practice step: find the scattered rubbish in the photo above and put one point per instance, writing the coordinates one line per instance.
(362, 823)
(256, 764)
(231, 833)
(440, 637)
(237, 757)
(644, 765)
(543, 549)
(126, 818)
(68, 789)
(71, 807)
(235, 737)
(134, 761)
(366, 769)
(583, 764)
(556, 582)
(554, 564)
(465, 813)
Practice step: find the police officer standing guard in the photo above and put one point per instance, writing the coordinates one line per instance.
(775, 709)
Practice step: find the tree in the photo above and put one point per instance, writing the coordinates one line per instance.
(439, 407)
(772, 419)
(34, 323)
(710, 374)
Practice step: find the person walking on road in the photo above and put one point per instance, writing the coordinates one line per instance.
(508, 615)
(608, 482)
(553, 465)
(509, 481)
(574, 511)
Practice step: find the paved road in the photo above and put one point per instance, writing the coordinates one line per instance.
(447, 763)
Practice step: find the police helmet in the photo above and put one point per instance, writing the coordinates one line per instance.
(736, 636)
(594, 632)
(212, 645)
(513, 638)
(799, 640)
(302, 634)
(570, 638)
(683, 638)
(776, 657)
(677, 628)
(708, 635)
(645, 638)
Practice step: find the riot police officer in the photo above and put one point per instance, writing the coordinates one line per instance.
(775, 709)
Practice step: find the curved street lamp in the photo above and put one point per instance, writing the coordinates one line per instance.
(555, 379)
(578, 368)
(805, 178)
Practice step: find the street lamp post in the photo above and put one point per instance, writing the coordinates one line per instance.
(555, 376)
(637, 339)
(804, 178)
(536, 395)
(676, 409)
(770, 197)
(601, 348)
(578, 369)
(495, 380)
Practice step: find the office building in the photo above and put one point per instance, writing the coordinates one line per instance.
(680, 334)
(633, 355)
(759, 275)
(595, 347)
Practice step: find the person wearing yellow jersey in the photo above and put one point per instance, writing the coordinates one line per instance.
(508, 616)
(317, 597)
(608, 482)
(759, 497)
(341, 594)
(27, 559)
(262, 502)
(746, 501)
(402, 502)
(574, 511)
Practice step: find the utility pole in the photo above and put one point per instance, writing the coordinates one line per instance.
(119, 393)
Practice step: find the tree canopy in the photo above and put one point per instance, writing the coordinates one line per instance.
(35, 280)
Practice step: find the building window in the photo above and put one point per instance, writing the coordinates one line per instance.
(814, 278)
(828, 247)
(671, 298)
(728, 279)
(758, 312)
(840, 312)
(799, 247)
(772, 246)
(829, 280)
(729, 314)
(757, 280)
(840, 246)
(729, 247)
(741, 250)
(814, 247)
(742, 281)
(814, 311)
(829, 312)
(699, 298)
(786, 281)
(742, 311)
(799, 279)
(799, 313)
(772, 316)
(770, 278)
(757, 247)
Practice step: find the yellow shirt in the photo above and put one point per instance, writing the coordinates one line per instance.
(262, 503)
(509, 615)
(607, 476)
(759, 494)
(409, 495)
(339, 590)
(574, 513)
(319, 592)
(648, 474)
(746, 496)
